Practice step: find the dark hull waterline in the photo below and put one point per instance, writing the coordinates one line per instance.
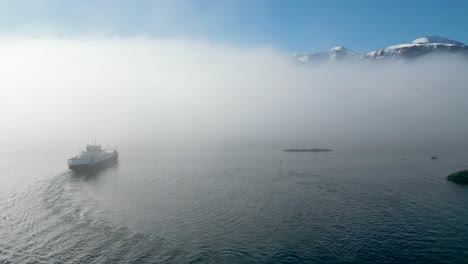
(95, 166)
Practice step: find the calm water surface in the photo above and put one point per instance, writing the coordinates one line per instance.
(233, 206)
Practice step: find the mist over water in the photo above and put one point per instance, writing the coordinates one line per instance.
(233, 206)
(175, 90)
(200, 128)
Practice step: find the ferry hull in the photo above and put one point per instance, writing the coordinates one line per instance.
(95, 166)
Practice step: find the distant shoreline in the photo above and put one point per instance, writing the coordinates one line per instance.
(308, 150)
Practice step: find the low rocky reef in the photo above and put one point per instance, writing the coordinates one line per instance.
(308, 150)
(459, 177)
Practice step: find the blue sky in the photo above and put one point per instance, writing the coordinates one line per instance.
(290, 25)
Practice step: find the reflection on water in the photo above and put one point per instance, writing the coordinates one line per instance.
(238, 207)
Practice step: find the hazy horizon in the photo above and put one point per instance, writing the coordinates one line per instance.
(141, 89)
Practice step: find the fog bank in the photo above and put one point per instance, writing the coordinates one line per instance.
(175, 90)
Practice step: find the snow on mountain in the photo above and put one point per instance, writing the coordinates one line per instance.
(418, 47)
(342, 52)
(436, 39)
(333, 54)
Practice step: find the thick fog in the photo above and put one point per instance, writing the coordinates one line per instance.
(175, 90)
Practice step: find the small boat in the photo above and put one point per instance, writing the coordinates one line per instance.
(308, 150)
(94, 157)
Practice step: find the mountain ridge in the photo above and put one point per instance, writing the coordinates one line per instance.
(419, 47)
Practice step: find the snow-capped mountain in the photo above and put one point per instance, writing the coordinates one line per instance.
(333, 54)
(436, 39)
(418, 47)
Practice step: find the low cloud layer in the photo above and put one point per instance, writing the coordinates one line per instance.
(175, 90)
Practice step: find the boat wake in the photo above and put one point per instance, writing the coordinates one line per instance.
(62, 219)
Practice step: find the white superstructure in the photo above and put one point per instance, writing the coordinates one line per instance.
(93, 156)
